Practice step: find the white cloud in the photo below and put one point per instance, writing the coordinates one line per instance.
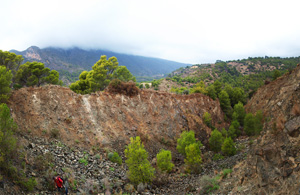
(186, 31)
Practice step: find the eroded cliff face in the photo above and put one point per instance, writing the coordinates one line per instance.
(273, 164)
(109, 120)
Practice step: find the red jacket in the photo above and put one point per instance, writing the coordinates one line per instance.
(59, 182)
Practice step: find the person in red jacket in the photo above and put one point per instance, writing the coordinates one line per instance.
(59, 183)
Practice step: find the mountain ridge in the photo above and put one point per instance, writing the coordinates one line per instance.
(74, 59)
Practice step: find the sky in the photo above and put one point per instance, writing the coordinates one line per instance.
(188, 31)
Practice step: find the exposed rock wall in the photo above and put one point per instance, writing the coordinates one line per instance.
(111, 119)
(273, 165)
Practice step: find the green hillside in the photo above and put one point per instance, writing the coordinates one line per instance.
(70, 62)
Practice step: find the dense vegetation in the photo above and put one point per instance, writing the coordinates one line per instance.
(269, 69)
(102, 73)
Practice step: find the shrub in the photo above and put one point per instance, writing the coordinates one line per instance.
(224, 132)
(239, 113)
(5, 81)
(208, 184)
(8, 142)
(228, 147)
(217, 156)
(225, 172)
(186, 138)
(164, 160)
(28, 184)
(193, 158)
(249, 124)
(84, 160)
(114, 157)
(234, 129)
(139, 168)
(117, 86)
(207, 119)
(54, 133)
(216, 140)
(232, 132)
(258, 122)
(225, 102)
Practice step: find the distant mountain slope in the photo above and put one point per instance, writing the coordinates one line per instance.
(78, 59)
(249, 74)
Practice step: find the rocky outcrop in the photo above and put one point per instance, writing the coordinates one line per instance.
(273, 165)
(109, 120)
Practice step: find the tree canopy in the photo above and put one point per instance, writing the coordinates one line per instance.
(10, 60)
(100, 76)
(5, 81)
(35, 73)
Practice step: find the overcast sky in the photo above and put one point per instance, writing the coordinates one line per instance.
(186, 31)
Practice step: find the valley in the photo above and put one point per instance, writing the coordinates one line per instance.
(60, 132)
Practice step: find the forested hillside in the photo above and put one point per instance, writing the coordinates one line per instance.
(70, 62)
(249, 74)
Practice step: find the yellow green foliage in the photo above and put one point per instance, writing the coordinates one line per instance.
(199, 88)
(186, 138)
(193, 158)
(164, 160)
(228, 147)
(100, 76)
(139, 168)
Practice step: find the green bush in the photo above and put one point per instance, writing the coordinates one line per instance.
(8, 141)
(228, 147)
(217, 156)
(186, 138)
(224, 132)
(164, 160)
(239, 113)
(258, 122)
(249, 124)
(28, 184)
(5, 81)
(114, 157)
(234, 129)
(139, 168)
(216, 140)
(225, 172)
(232, 132)
(193, 158)
(207, 119)
(208, 184)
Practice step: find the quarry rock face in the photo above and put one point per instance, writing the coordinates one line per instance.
(109, 120)
(273, 165)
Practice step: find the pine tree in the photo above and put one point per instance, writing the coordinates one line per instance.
(139, 168)
(249, 124)
(228, 147)
(216, 140)
(225, 102)
(186, 138)
(5, 81)
(164, 160)
(193, 158)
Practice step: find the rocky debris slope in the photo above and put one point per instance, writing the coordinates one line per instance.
(90, 171)
(273, 165)
(109, 120)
